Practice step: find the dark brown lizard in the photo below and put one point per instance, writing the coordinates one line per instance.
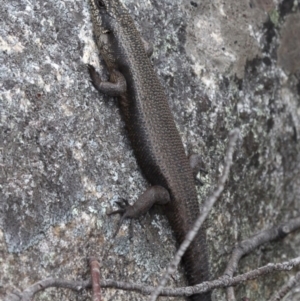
(152, 131)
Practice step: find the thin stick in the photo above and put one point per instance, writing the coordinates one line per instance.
(286, 288)
(248, 245)
(221, 282)
(29, 292)
(95, 275)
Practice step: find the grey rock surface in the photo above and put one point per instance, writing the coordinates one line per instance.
(65, 158)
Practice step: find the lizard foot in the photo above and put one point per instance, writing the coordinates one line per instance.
(153, 195)
(124, 208)
(196, 164)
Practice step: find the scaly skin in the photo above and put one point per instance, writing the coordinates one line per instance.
(152, 131)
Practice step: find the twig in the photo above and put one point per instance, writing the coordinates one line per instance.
(286, 288)
(95, 275)
(247, 245)
(29, 292)
(221, 282)
(205, 211)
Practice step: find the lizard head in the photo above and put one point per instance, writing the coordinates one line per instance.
(112, 27)
(105, 16)
(112, 8)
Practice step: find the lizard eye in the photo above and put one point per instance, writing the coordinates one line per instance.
(100, 4)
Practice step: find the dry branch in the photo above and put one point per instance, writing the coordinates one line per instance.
(222, 282)
(248, 245)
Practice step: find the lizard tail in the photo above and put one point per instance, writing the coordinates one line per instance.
(196, 265)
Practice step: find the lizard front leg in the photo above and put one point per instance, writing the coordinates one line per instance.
(115, 87)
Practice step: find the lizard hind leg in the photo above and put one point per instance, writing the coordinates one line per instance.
(153, 195)
(148, 47)
(196, 164)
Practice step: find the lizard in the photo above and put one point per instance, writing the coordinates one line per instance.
(152, 131)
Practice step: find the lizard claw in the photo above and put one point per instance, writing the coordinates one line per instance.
(90, 67)
(91, 70)
(95, 78)
(123, 204)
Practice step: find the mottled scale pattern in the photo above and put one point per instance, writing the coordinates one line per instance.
(152, 131)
